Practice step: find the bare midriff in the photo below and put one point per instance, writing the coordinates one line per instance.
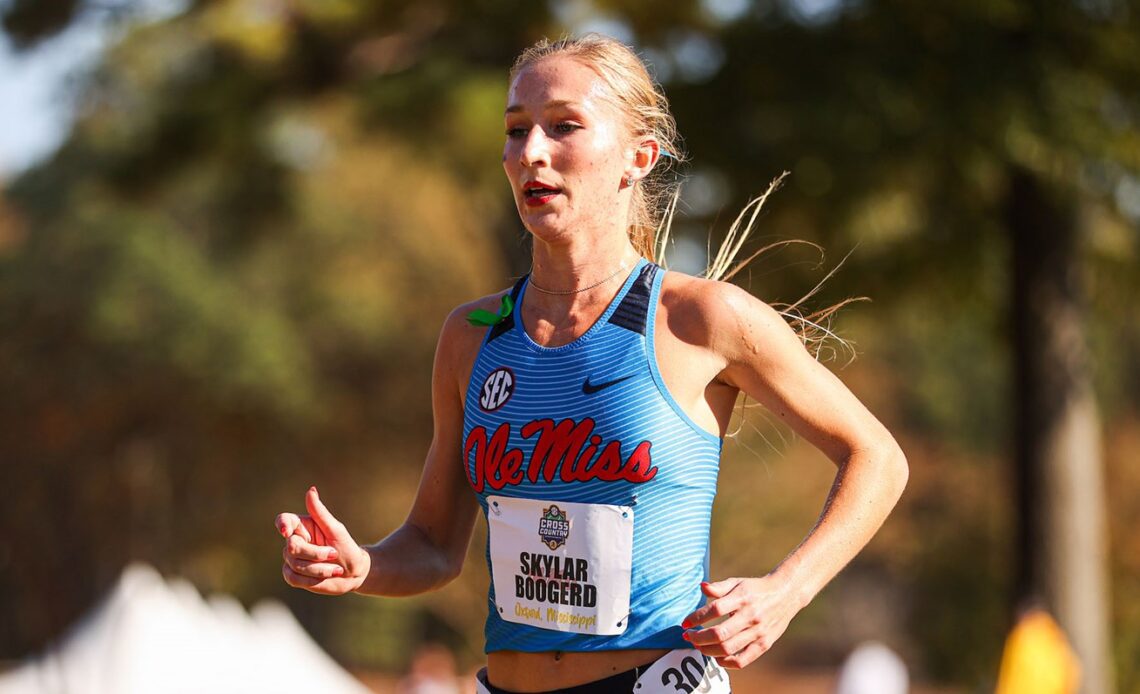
(516, 671)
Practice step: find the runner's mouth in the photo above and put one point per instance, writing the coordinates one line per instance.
(538, 194)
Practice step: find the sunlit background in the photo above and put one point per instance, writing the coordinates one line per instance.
(231, 229)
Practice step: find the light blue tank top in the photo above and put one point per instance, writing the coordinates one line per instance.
(592, 422)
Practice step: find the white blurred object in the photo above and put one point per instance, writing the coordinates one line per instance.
(872, 668)
(149, 635)
(433, 672)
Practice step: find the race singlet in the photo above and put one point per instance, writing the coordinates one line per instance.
(561, 565)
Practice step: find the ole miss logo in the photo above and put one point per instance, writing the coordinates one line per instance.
(568, 450)
(497, 389)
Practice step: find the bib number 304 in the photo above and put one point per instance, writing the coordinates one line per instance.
(686, 671)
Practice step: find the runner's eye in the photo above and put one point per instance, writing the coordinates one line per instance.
(566, 127)
(516, 133)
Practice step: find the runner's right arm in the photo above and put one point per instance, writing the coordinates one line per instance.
(428, 550)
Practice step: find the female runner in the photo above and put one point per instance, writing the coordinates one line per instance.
(582, 412)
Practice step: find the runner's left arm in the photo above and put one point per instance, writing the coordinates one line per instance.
(768, 362)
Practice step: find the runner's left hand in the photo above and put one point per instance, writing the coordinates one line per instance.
(756, 612)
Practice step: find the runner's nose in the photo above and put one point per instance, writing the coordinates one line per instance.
(536, 148)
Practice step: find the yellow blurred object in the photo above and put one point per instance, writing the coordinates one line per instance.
(1038, 658)
(260, 30)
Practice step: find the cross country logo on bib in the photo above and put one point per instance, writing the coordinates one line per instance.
(553, 527)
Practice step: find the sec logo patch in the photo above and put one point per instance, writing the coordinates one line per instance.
(497, 389)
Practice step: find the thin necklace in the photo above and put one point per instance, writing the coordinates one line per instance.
(576, 291)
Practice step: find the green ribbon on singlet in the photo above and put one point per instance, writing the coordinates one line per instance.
(486, 318)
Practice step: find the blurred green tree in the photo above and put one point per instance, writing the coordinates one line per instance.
(946, 138)
(226, 284)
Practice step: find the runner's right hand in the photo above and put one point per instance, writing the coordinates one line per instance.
(320, 555)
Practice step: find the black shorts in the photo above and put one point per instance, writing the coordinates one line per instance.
(682, 669)
(621, 682)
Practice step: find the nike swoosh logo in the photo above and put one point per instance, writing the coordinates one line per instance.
(591, 388)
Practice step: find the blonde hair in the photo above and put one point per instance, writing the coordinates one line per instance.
(643, 103)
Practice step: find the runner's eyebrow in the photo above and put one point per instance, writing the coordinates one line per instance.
(517, 108)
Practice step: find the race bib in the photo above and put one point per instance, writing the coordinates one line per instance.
(560, 565)
(684, 670)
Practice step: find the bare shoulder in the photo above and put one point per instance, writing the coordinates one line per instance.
(715, 314)
(459, 340)
(457, 327)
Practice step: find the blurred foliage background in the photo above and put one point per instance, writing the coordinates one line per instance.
(227, 283)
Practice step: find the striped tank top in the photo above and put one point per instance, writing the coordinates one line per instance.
(596, 487)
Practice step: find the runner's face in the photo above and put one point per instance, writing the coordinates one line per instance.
(566, 151)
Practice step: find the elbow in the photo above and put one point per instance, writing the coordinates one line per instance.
(438, 560)
(447, 562)
(898, 471)
(885, 468)
(450, 570)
